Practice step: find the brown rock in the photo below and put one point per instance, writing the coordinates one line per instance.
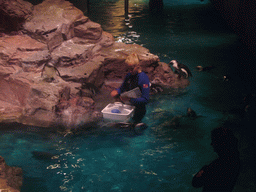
(53, 22)
(9, 113)
(74, 111)
(55, 40)
(13, 13)
(16, 8)
(81, 21)
(14, 91)
(107, 39)
(71, 52)
(27, 99)
(88, 30)
(22, 51)
(10, 177)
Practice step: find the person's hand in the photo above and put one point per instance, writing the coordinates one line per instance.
(200, 173)
(114, 93)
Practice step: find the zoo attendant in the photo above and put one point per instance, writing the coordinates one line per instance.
(135, 78)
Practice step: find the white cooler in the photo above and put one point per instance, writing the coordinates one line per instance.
(118, 112)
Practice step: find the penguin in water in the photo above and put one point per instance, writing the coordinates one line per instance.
(181, 69)
(207, 68)
(191, 113)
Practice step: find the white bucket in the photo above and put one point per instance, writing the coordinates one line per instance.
(118, 112)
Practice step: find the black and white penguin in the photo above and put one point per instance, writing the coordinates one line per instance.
(49, 71)
(181, 69)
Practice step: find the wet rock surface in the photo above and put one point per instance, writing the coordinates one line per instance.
(55, 67)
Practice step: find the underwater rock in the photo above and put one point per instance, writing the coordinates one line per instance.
(42, 155)
(10, 177)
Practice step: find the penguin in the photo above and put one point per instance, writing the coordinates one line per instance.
(49, 71)
(154, 89)
(226, 78)
(176, 121)
(191, 113)
(181, 69)
(201, 68)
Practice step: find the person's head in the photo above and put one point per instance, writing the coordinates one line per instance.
(133, 64)
(223, 140)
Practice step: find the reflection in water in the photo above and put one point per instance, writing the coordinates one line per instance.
(111, 14)
(112, 161)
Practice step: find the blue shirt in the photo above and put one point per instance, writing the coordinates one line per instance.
(140, 80)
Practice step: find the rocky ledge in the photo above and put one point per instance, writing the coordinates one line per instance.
(57, 61)
(10, 177)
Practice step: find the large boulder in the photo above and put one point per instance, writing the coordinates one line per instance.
(56, 21)
(10, 177)
(13, 13)
(23, 51)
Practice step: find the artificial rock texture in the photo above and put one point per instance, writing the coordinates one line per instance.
(85, 62)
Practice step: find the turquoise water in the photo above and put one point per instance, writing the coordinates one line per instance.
(162, 158)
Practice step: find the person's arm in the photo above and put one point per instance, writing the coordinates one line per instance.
(121, 88)
(145, 89)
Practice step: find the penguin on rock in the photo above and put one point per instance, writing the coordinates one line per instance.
(181, 69)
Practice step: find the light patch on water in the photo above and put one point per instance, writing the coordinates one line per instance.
(128, 38)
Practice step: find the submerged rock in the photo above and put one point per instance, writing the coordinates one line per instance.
(42, 155)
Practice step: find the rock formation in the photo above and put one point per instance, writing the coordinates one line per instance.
(13, 14)
(10, 177)
(52, 68)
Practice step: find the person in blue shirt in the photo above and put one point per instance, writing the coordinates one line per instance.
(135, 78)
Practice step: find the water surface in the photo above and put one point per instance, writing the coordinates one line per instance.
(163, 158)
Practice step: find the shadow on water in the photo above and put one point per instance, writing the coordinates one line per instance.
(34, 184)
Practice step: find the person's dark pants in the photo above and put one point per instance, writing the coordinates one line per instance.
(139, 113)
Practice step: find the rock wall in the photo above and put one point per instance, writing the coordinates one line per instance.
(13, 14)
(51, 69)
